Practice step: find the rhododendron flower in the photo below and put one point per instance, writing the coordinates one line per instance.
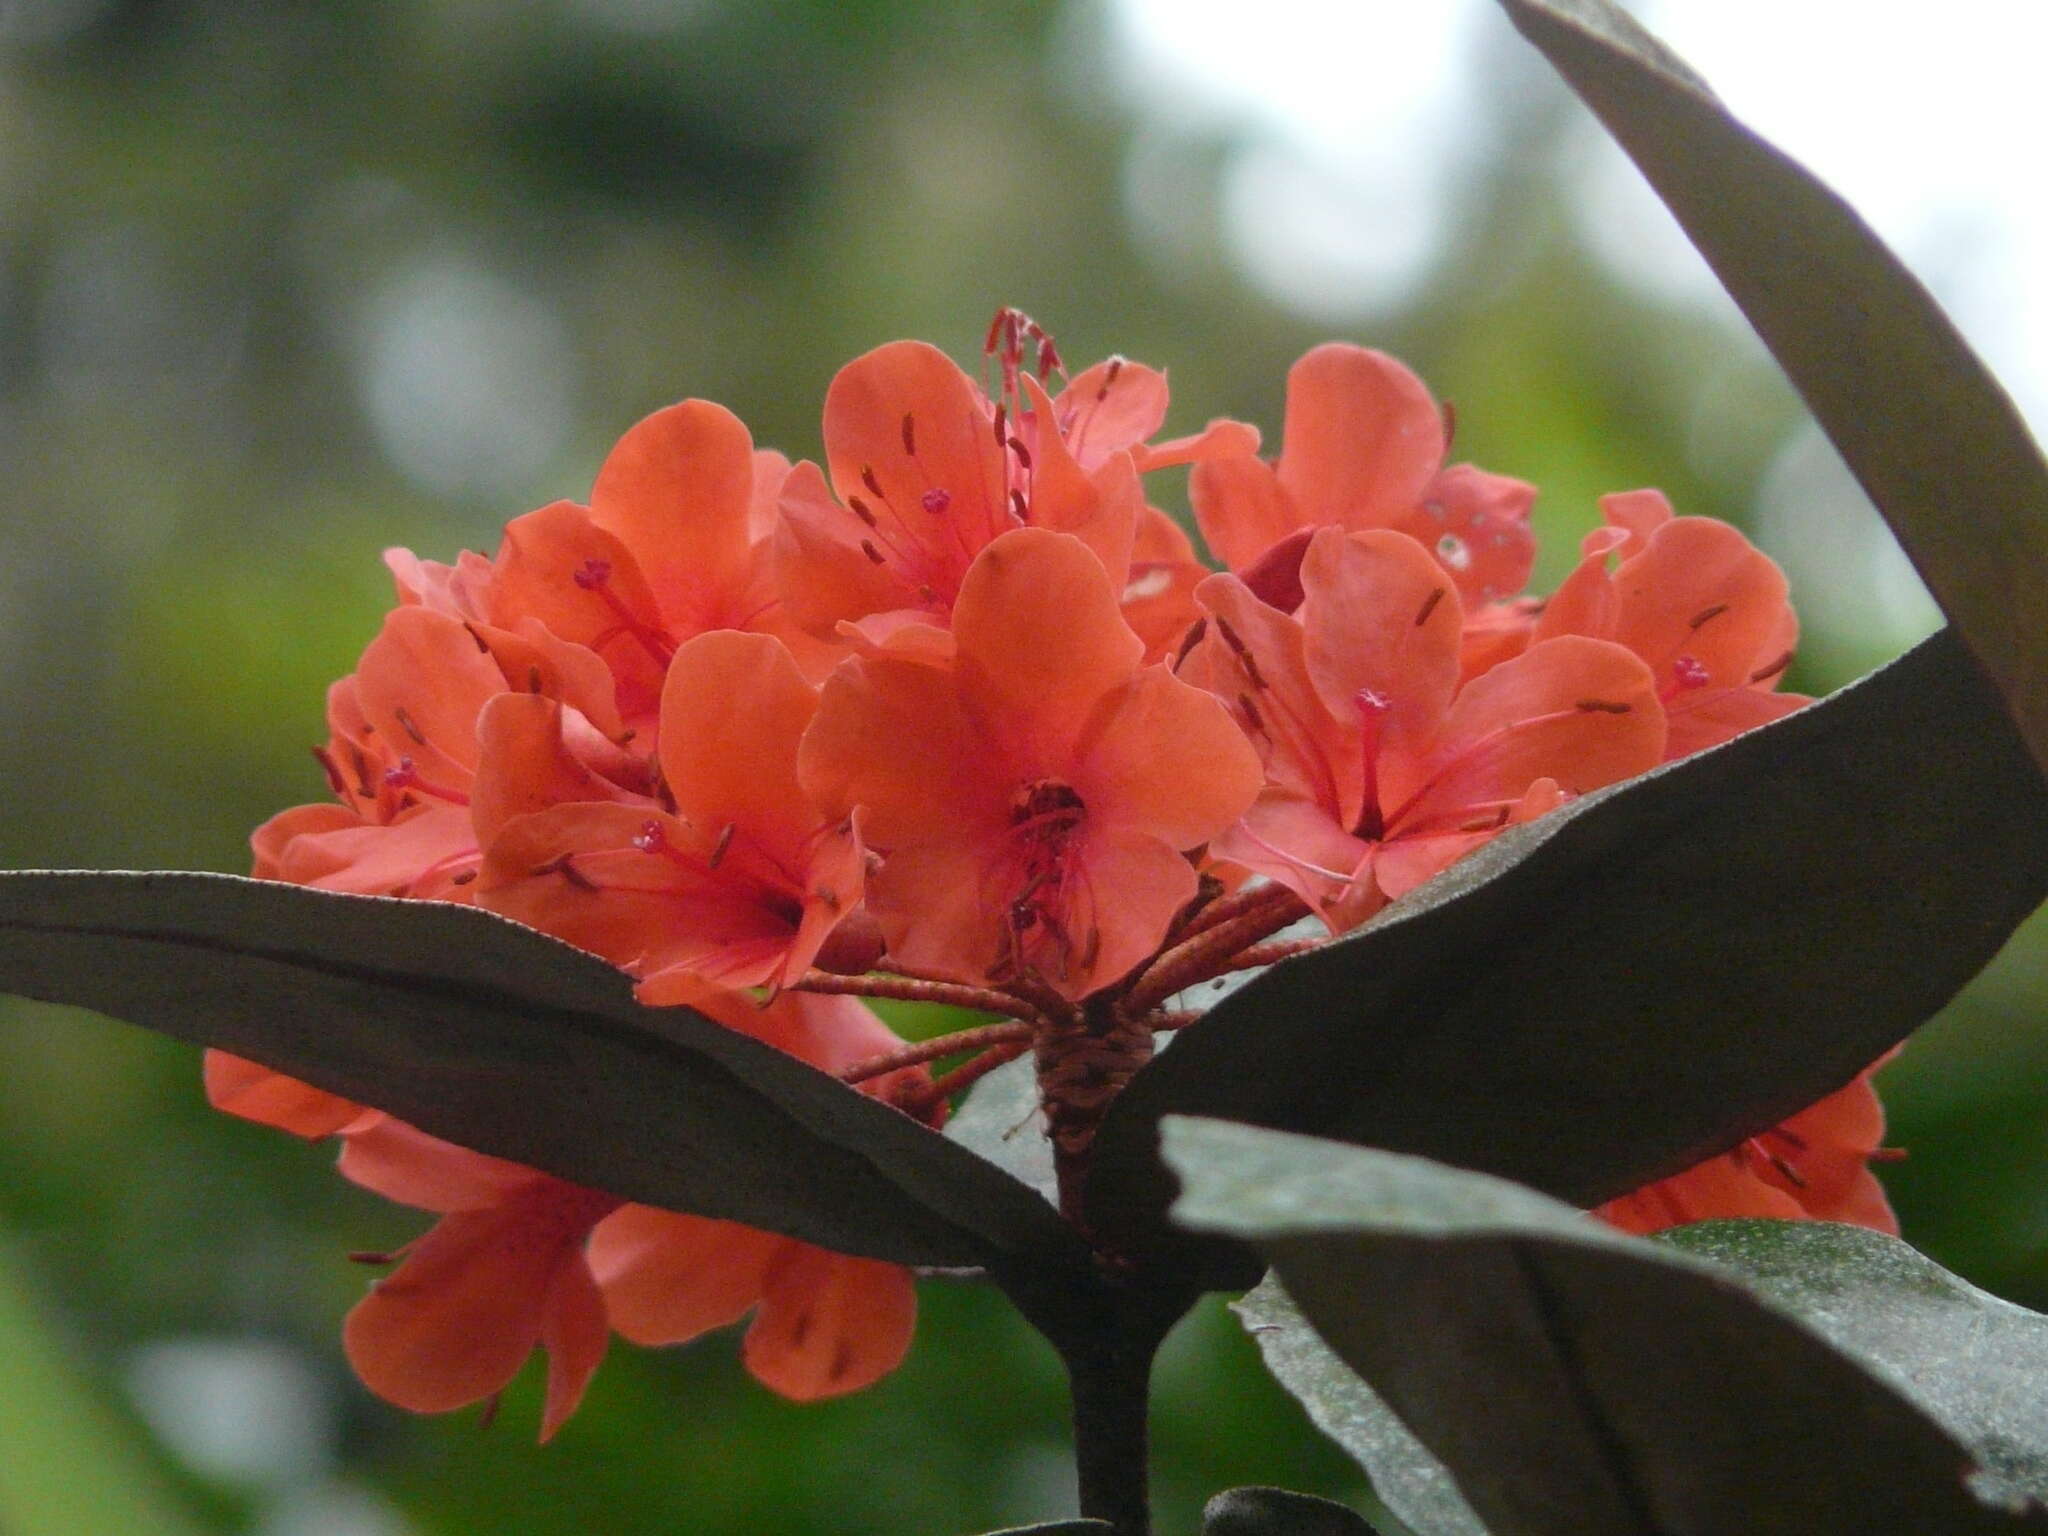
(1815, 1166)
(1697, 601)
(769, 743)
(502, 1272)
(1363, 448)
(1032, 799)
(1380, 768)
(734, 878)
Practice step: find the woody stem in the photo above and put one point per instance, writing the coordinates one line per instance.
(1200, 957)
(1011, 1032)
(914, 990)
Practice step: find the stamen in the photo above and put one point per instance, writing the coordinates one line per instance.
(464, 878)
(1429, 606)
(1002, 424)
(1017, 447)
(724, 842)
(335, 781)
(860, 510)
(867, 547)
(867, 478)
(1602, 707)
(406, 776)
(1020, 506)
(533, 679)
(411, 729)
(1116, 366)
(1450, 415)
(1251, 711)
(909, 434)
(1773, 669)
(565, 866)
(1705, 614)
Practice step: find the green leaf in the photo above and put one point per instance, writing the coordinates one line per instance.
(1408, 1480)
(1650, 975)
(1277, 1512)
(1925, 427)
(505, 1041)
(1575, 1380)
(1976, 1363)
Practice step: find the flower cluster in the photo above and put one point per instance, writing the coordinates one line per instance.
(961, 716)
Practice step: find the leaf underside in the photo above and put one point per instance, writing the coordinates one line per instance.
(505, 1041)
(1577, 1382)
(1652, 974)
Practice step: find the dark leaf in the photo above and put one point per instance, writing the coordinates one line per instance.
(1276, 1512)
(505, 1041)
(1650, 975)
(1575, 1381)
(1919, 419)
(1407, 1479)
(1974, 1362)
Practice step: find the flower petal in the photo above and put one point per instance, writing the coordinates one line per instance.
(667, 1277)
(1363, 437)
(829, 1324)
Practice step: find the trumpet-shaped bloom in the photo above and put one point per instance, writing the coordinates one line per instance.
(1363, 448)
(1380, 768)
(734, 877)
(1814, 1167)
(1697, 601)
(501, 1274)
(1033, 798)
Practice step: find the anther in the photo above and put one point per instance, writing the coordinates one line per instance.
(565, 866)
(724, 842)
(1002, 425)
(335, 781)
(1020, 506)
(479, 639)
(935, 501)
(1705, 614)
(1450, 415)
(1603, 707)
(371, 1256)
(909, 434)
(860, 510)
(1429, 606)
(533, 679)
(1230, 637)
(592, 574)
(867, 478)
(1017, 447)
(464, 878)
(411, 729)
(1773, 669)
(867, 547)
(1116, 366)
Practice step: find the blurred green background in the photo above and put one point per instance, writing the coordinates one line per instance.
(282, 285)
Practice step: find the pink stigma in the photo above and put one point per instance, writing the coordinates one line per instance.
(936, 501)
(1690, 672)
(592, 574)
(651, 839)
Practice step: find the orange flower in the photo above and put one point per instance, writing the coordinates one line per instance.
(1363, 448)
(1697, 601)
(1814, 1167)
(824, 1323)
(1381, 770)
(521, 1260)
(501, 1273)
(1032, 797)
(734, 878)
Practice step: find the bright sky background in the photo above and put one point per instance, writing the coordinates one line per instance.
(1355, 117)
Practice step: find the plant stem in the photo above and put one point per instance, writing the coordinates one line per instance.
(1111, 1379)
